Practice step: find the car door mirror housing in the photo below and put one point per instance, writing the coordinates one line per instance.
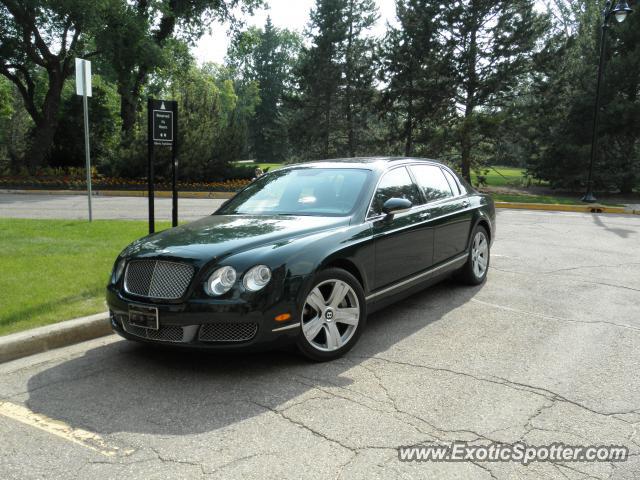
(393, 206)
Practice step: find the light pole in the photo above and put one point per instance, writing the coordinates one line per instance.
(620, 12)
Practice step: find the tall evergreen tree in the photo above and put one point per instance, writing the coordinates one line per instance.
(495, 41)
(266, 57)
(416, 62)
(336, 76)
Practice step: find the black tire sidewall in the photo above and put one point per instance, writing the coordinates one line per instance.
(303, 344)
(468, 275)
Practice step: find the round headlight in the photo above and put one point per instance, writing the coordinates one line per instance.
(118, 269)
(220, 281)
(256, 278)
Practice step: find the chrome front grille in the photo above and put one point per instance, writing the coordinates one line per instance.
(157, 279)
(167, 333)
(227, 332)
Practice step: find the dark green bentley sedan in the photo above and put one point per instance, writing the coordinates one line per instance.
(302, 255)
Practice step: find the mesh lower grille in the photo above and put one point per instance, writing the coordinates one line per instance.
(157, 279)
(167, 333)
(227, 332)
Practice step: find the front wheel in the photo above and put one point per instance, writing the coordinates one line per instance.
(475, 270)
(333, 315)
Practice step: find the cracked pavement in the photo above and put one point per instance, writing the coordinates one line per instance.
(546, 351)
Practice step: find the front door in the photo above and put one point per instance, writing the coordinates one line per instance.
(403, 244)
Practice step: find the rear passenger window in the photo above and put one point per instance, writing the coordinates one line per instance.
(432, 182)
(395, 184)
(452, 181)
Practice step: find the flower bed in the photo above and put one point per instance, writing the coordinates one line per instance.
(109, 183)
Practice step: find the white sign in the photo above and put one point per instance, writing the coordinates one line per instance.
(83, 77)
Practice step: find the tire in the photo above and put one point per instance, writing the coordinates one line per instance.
(330, 326)
(474, 272)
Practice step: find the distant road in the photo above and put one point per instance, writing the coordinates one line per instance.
(125, 208)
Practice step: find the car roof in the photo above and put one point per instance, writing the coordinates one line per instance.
(373, 163)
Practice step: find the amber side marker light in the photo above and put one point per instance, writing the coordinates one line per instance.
(283, 317)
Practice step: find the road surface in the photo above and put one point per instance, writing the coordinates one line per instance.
(545, 351)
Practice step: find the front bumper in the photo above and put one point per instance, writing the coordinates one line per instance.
(213, 324)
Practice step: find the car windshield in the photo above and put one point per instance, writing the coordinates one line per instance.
(301, 191)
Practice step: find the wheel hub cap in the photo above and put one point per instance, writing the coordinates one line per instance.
(330, 315)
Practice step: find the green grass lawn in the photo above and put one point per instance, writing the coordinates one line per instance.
(54, 270)
(270, 166)
(502, 177)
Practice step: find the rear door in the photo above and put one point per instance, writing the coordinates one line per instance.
(403, 245)
(448, 207)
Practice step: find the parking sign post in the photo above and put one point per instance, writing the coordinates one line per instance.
(83, 87)
(163, 128)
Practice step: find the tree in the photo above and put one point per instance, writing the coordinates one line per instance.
(566, 101)
(415, 66)
(39, 40)
(335, 78)
(139, 33)
(266, 57)
(495, 42)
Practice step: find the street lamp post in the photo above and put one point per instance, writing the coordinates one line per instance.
(620, 12)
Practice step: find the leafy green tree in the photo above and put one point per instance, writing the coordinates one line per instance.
(336, 75)
(267, 57)
(495, 42)
(104, 126)
(39, 40)
(566, 99)
(415, 67)
(141, 33)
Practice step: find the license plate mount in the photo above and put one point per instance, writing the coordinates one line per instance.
(145, 317)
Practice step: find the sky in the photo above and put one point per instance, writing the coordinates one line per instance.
(291, 14)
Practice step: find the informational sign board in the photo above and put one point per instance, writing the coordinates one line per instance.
(163, 126)
(163, 132)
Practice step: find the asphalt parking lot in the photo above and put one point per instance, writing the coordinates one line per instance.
(74, 207)
(545, 351)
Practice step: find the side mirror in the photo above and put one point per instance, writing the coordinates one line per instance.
(394, 206)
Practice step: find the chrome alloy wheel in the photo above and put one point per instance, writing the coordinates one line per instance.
(330, 315)
(479, 254)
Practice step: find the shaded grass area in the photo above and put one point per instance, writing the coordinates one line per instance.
(502, 177)
(54, 270)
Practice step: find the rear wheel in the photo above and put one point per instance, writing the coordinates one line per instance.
(333, 315)
(475, 270)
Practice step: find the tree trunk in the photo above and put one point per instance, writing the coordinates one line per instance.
(351, 140)
(408, 130)
(128, 114)
(465, 151)
(45, 126)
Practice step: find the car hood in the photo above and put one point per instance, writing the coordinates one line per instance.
(217, 236)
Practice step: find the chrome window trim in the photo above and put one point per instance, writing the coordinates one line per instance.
(414, 278)
(373, 195)
(445, 179)
(461, 188)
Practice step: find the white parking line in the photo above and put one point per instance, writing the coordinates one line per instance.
(87, 439)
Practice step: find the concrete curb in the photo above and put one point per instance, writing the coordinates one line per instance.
(123, 193)
(41, 339)
(592, 208)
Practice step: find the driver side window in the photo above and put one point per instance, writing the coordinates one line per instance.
(394, 184)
